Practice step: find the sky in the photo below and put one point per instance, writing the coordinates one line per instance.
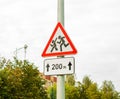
(92, 25)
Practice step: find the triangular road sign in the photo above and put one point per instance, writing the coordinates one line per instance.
(59, 43)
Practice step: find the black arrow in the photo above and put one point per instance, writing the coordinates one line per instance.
(69, 65)
(48, 66)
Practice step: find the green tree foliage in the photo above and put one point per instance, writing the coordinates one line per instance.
(93, 92)
(71, 92)
(2, 62)
(108, 91)
(52, 91)
(21, 80)
(70, 80)
(87, 89)
(86, 82)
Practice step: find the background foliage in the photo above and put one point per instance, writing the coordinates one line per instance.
(87, 89)
(20, 80)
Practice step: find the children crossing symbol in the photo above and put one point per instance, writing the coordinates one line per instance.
(59, 43)
(54, 45)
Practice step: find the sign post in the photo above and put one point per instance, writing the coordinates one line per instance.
(61, 78)
(59, 45)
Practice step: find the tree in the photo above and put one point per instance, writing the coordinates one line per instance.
(3, 62)
(86, 82)
(70, 79)
(52, 91)
(21, 80)
(93, 91)
(71, 92)
(108, 91)
(87, 89)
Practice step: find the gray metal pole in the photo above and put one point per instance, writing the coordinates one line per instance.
(60, 87)
(60, 78)
(60, 12)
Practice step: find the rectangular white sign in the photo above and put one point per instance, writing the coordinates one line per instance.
(59, 66)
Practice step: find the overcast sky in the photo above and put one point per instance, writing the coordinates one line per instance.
(92, 25)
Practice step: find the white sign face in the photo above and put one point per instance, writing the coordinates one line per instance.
(59, 66)
(59, 43)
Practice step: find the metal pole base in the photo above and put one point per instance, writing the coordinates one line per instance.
(60, 87)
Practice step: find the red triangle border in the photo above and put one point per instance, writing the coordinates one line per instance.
(44, 54)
